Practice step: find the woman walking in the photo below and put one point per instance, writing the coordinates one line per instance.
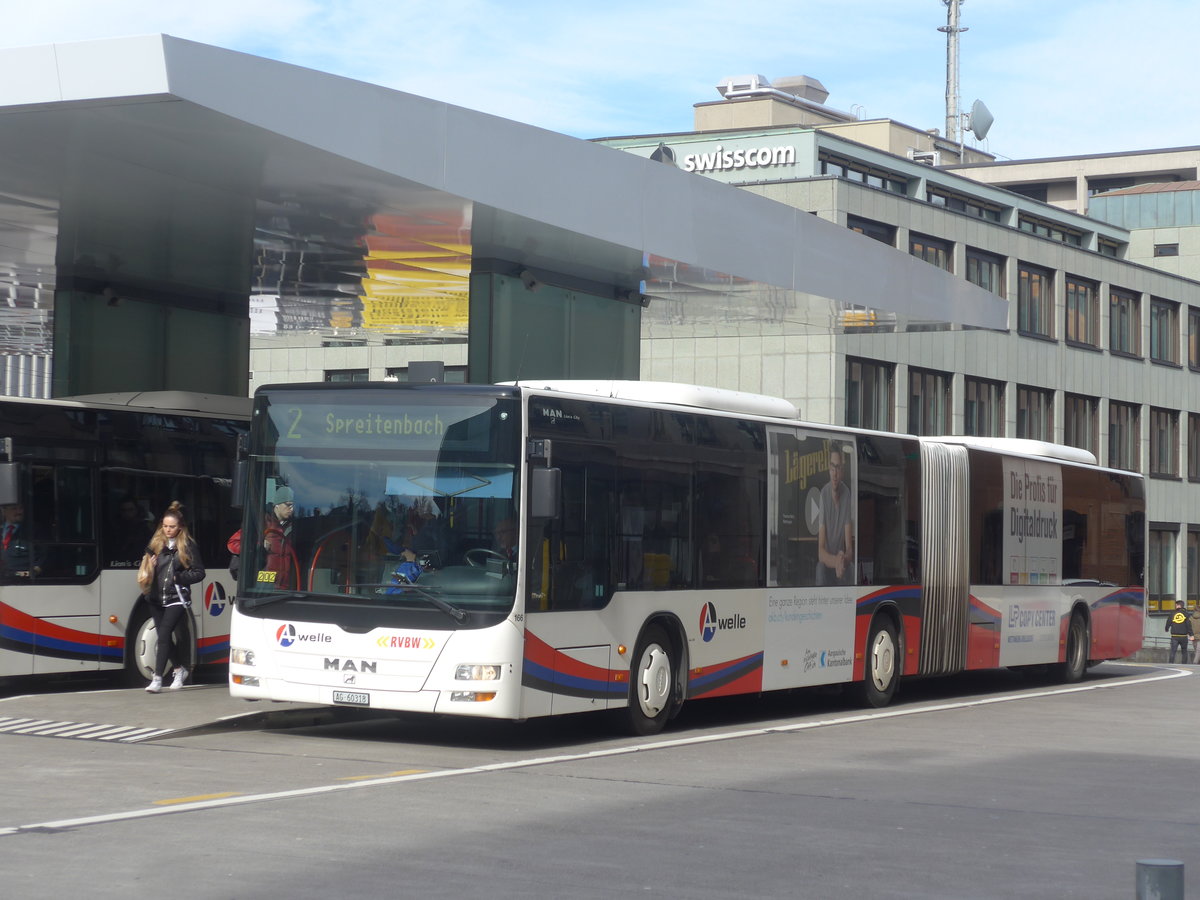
(177, 566)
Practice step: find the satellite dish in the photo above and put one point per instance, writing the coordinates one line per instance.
(981, 119)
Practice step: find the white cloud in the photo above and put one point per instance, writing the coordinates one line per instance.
(1075, 76)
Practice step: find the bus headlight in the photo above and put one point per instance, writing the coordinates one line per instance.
(241, 656)
(477, 673)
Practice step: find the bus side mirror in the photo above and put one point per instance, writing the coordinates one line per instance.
(238, 489)
(10, 483)
(545, 486)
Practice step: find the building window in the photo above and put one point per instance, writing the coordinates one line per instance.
(345, 375)
(1035, 414)
(344, 342)
(853, 170)
(938, 196)
(1193, 337)
(985, 270)
(1164, 331)
(1164, 442)
(932, 251)
(1108, 248)
(1193, 568)
(427, 341)
(1083, 312)
(1124, 323)
(1052, 230)
(1193, 446)
(1124, 436)
(450, 374)
(1081, 422)
(1035, 301)
(983, 407)
(1160, 576)
(928, 402)
(885, 234)
(1166, 249)
(869, 394)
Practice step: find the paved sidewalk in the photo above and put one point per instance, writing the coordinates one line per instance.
(131, 714)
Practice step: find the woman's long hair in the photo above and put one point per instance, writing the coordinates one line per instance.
(183, 540)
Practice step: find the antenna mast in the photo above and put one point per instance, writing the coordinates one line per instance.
(951, 29)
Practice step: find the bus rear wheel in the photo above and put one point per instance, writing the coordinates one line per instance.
(1074, 662)
(651, 683)
(139, 653)
(143, 647)
(881, 668)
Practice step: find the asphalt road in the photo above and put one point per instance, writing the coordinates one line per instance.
(978, 786)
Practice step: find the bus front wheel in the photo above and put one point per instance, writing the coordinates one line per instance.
(651, 683)
(881, 668)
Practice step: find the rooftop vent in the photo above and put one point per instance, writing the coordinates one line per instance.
(737, 83)
(804, 86)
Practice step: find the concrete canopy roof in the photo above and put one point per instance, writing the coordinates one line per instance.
(160, 168)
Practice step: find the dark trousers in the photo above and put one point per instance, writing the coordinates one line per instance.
(1179, 643)
(172, 635)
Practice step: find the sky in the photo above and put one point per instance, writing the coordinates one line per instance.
(1060, 78)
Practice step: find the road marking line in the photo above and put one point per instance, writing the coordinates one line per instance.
(10, 724)
(51, 730)
(186, 805)
(388, 775)
(196, 799)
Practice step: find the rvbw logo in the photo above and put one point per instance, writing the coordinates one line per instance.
(711, 623)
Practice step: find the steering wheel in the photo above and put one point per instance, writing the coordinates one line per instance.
(478, 557)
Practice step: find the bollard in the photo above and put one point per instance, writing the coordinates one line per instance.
(1159, 879)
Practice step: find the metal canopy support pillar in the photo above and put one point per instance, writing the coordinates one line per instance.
(535, 324)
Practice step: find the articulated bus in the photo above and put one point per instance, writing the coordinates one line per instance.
(672, 543)
(82, 483)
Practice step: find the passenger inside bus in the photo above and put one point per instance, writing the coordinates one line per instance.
(432, 536)
(506, 539)
(278, 525)
(18, 560)
(130, 531)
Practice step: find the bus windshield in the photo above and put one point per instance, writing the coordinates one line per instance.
(396, 497)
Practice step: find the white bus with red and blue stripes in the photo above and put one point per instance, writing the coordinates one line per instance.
(672, 543)
(84, 481)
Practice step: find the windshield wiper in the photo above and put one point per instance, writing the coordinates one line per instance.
(454, 612)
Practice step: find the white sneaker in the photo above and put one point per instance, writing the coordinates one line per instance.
(180, 676)
(155, 684)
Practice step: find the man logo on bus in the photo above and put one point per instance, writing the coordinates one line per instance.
(286, 635)
(214, 598)
(710, 624)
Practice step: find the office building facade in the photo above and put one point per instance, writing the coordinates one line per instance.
(1100, 352)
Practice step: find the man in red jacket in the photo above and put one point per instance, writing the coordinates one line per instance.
(277, 540)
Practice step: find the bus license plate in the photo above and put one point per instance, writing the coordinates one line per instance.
(353, 698)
